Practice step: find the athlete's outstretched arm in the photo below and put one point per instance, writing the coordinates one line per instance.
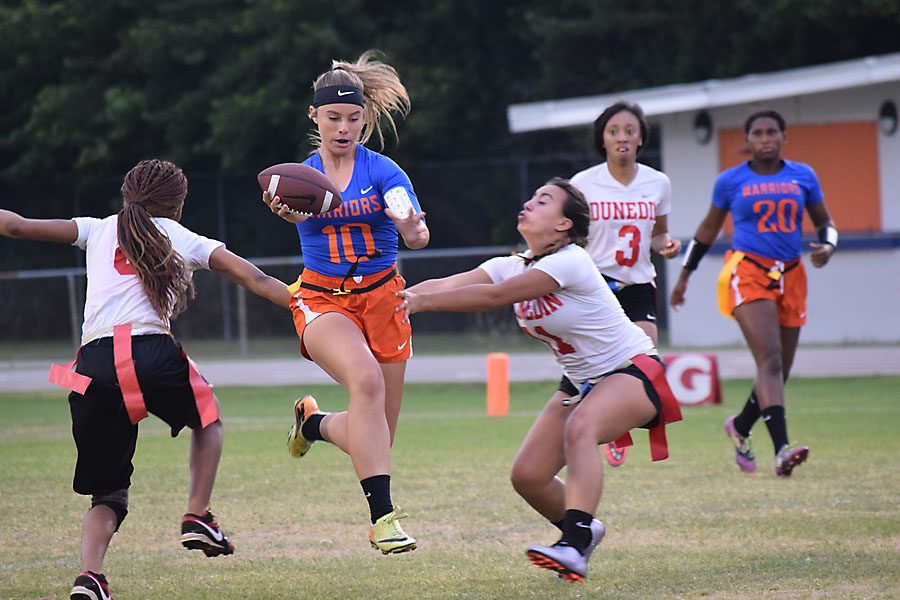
(452, 282)
(534, 283)
(245, 273)
(13, 225)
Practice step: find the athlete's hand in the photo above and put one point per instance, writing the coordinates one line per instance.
(282, 210)
(409, 305)
(665, 245)
(677, 299)
(411, 218)
(410, 227)
(820, 253)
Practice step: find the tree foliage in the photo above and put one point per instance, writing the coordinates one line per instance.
(89, 88)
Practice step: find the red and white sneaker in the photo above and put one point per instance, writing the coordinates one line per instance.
(615, 456)
(90, 586)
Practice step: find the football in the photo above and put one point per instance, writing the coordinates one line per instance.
(302, 188)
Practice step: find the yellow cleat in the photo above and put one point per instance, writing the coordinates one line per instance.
(303, 408)
(387, 535)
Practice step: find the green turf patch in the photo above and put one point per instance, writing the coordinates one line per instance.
(690, 527)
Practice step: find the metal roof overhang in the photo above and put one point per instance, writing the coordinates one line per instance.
(552, 114)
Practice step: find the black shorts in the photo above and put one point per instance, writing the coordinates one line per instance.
(639, 301)
(104, 435)
(567, 387)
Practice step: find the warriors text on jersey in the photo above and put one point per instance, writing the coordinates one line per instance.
(768, 209)
(115, 295)
(622, 219)
(330, 243)
(582, 322)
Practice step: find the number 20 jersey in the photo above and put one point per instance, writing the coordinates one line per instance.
(330, 243)
(622, 219)
(582, 322)
(768, 209)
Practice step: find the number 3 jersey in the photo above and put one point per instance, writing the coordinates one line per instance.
(330, 243)
(622, 219)
(114, 293)
(582, 322)
(768, 209)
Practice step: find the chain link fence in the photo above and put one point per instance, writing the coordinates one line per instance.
(470, 206)
(41, 311)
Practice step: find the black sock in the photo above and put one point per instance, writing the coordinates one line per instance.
(777, 426)
(311, 429)
(559, 524)
(743, 423)
(378, 493)
(577, 529)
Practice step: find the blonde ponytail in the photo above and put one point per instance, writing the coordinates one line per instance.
(382, 89)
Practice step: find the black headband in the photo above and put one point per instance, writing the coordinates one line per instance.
(338, 94)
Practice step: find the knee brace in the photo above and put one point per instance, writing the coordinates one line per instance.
(117, 501)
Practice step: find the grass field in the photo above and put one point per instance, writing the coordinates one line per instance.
(690, 527)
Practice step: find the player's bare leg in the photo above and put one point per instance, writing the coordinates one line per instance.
(363, 431)
(339, 348)
(539, 458)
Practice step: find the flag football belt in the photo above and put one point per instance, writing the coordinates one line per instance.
(126, 375)
(340, 290)
(774, 272)
(669, 412)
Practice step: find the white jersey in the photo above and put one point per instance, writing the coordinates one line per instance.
(622, 219)
(582, 322)
(114, 292)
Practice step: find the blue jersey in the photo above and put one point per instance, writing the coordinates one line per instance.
(768, 209)
(332, 242)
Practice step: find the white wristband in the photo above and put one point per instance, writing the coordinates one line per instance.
(828, 235)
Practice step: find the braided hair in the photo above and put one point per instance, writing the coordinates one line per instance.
(155, 188)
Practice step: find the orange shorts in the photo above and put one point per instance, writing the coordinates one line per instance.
(742, 281)
(389, 338)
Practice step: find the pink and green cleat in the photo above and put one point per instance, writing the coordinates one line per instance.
(743, 452)
(788, 458)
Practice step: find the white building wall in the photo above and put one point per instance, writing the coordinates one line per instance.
(692, 167)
